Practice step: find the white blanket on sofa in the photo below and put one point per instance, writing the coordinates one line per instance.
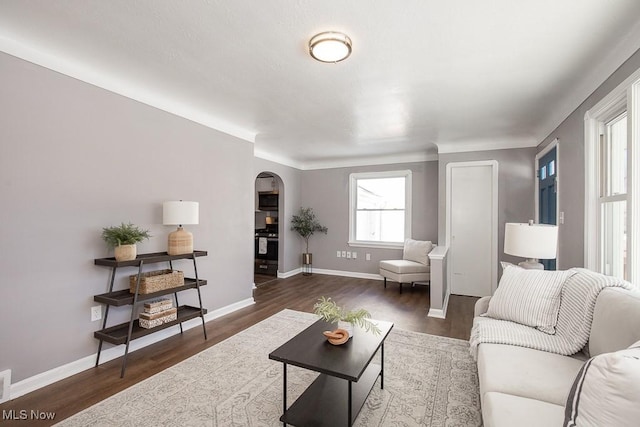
(578, 299)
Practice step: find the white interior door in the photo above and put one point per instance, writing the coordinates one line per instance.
(472, 227)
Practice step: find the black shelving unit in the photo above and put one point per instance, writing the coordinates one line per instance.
(124, 333)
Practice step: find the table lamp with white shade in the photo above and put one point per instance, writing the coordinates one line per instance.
(531, 241)
(180, 213)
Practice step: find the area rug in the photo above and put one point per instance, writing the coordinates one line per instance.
(429, 381)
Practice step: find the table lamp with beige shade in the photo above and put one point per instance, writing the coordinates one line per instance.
(180, 213)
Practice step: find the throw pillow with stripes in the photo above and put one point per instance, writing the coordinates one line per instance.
(606, 391)
(529, 297)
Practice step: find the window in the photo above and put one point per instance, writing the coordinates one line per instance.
(612, 172)
(380, 208)
(547, 170)
(612, 177)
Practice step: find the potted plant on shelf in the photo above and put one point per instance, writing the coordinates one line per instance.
(306, 224)
(123, 238)
(346, 319)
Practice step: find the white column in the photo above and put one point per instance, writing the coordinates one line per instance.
(439, 287)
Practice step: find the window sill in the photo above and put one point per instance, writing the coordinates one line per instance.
(380, 245)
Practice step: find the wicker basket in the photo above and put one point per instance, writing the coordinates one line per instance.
(155, 281)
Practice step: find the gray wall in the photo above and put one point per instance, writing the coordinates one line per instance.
(571, 170)
(289, 241)
(75, 158)
(327, 192)
(515, 189)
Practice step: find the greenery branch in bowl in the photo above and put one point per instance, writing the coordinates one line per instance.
(332, 313)
(123, 239)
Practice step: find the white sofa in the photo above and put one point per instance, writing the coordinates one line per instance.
(524, 387)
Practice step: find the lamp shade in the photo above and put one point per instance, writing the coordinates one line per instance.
(539, 241)
(179, 213)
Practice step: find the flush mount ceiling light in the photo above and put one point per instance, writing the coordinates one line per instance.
(330, 46)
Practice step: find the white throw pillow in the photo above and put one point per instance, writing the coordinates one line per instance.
(529, 297)
(417, 251)
(606, 391)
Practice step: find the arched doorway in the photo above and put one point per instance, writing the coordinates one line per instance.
(268, 207)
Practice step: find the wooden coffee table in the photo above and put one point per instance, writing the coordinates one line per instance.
(346, 374)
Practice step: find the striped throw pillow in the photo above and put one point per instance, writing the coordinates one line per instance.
(606, 391)
(529, 297)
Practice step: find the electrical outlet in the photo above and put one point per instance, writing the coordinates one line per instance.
(354, 255)
(344, 254)
(338, 254)
(348, 255)
(367, 257)
(96, 313)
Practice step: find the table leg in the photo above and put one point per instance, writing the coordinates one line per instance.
(284, 393)
(382, 366)
(350, 404)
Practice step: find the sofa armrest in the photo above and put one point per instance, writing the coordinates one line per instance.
(481, 307)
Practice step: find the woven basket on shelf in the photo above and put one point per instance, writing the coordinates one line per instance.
(155, 281)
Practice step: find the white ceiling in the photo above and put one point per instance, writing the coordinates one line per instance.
(425, 76)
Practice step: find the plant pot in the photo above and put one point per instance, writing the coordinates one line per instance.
(125, 252)
(307, 260)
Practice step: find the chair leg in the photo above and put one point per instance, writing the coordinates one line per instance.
(400, 284)
(385, 283)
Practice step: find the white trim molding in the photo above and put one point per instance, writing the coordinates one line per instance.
(440, 313)
(494, 216)
(122, 86)
(625, 95)
(354, 274)
(5, 389)
(633, 180)
(291, 273)
(353, 192)
(559, 220)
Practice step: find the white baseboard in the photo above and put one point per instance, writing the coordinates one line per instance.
(353, 274)
(440, 313)
(331, 273)
(288, 274)
(56, 374)
(5, 385)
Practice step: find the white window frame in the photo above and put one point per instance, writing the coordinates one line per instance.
(353, 182)
(625, 96)
(559, 216)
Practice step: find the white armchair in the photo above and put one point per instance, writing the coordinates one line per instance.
(413, 267)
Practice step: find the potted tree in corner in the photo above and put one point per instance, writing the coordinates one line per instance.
(305, 224)
(123, 238)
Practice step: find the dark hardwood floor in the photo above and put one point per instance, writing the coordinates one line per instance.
(407, 310)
